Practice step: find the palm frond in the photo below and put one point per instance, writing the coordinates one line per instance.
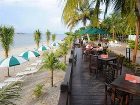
(10, 93)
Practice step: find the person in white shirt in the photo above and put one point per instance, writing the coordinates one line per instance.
(100, 48)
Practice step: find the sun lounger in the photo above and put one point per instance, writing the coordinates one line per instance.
(39, 61)
(14, 79)
(29, 68)
(2, 85)
(34, 64)
(26, 72)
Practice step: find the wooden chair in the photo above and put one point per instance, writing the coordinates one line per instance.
(137, 70)
(118, 64)
(120, 96)
(93, 63)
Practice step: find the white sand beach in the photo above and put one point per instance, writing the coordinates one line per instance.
(14, 70)
(18, 50)
(50, 95)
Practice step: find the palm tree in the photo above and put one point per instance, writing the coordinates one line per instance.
(48, 34)
(37, 37)
(83, 12)
(63, 49)
(114, 24)
(128, 7)
(69, 39)
(53, 37)
(51, 62)
(6, 38)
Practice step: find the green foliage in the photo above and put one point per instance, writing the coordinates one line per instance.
(53, 37)
(69, 39)
(37, 37)
(38, 90)
(83, 12)
(131, 44)
(128, 64)
(51, 62)
(63, 49)
(48, 34)
(6, 38)
(10, 93)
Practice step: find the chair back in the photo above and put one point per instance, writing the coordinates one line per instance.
(93, 60)
(109, 75)
(120, 61)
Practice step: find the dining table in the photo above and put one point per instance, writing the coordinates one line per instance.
(124, 85)
(105, 60)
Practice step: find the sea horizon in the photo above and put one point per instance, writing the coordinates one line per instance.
(23, 39)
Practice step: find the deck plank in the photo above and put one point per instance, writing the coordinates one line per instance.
(86, 89)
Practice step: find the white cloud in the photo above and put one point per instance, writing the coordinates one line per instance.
(43, 14)
(42, 4)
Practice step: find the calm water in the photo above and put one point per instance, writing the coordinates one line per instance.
(28, 39)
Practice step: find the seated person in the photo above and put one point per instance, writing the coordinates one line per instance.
(100, 48)
(89, 46)
(105, 45)
(84, 42)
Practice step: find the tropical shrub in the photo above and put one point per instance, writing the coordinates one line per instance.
(38, 90)
(131, 44)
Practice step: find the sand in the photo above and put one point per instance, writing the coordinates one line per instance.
(50, 94)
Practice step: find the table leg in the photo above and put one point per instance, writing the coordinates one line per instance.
(113, 96)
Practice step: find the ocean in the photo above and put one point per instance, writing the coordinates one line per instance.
(21, 40)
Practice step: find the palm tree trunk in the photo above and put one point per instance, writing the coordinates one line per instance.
(48, 42)
(52, 78)
(8, 73)
(113, 34)
(6, 53)
(65, 57)
(136, 40)
(37, 45)
(88, 38)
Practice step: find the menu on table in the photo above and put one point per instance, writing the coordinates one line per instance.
(132, 78)
(104, 56)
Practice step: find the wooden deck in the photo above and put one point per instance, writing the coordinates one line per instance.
(86, 89)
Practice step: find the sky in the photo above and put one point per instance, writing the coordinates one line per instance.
(29, 15)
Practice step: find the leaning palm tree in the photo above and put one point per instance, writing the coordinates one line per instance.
(48, 34)
(53, 37)
(51, 62)
(37, 37)
(6, 38)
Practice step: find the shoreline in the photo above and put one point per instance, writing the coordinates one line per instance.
(18, 50)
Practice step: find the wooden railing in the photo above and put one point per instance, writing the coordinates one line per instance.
(66, 85)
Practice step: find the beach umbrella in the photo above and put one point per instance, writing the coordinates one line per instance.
(29, 54)
(92, 31)
(43, 48)
(12, 61)
(55, 44)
